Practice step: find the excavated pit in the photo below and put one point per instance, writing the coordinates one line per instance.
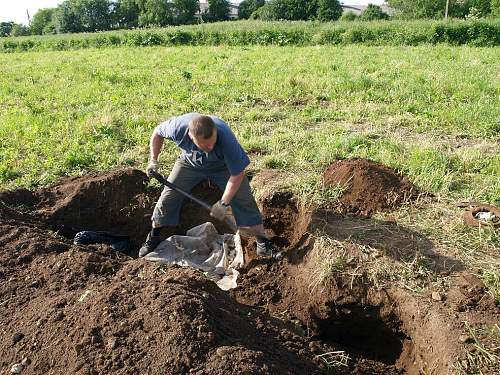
(361, 330)
(339, 319)
(381, 330)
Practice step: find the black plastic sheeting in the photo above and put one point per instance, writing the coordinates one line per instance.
(117, 241)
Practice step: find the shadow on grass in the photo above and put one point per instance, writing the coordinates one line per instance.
(389, 238)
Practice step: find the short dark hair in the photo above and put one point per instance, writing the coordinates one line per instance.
(201, 126)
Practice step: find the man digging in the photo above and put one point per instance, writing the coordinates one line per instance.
(210, 150)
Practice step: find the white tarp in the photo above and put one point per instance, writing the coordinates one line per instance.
(218, 255)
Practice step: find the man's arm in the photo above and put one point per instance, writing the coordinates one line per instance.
(155, 145)
(232, 186)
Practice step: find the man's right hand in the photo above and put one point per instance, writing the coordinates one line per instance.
(152, 167)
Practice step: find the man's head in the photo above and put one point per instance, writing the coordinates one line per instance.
(203, 132)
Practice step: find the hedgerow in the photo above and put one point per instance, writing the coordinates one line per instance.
(482, 33)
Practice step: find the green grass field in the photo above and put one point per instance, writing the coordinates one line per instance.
(432, 112)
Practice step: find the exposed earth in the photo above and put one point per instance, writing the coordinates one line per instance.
(325, 308)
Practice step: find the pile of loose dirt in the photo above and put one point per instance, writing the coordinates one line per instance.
(68, 310)
(119, 201)
(114, 201)
(366, 187)
(89, 310)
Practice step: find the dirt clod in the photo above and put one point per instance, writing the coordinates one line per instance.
(16, 368)
(18, 336)
(436, 296)
(464, 339)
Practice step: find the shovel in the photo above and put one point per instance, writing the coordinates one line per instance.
(203, 204)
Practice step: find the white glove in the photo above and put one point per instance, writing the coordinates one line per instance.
(218, 210)
(152, 167)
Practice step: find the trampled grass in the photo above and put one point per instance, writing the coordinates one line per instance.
(432, 112)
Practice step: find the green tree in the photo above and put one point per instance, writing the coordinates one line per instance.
(155, 13)
(218, 10)
(288, 10)
(184, 11)
(6, 28)
(349, 16)
(95, 15)
(412, 9)
(41, 21)
(82, 15)
(329, 10)
(264, 13)
(19, 30)
(66, 18)
(126, 14)
(247, 7)
(495, 8)
(50, 28)
(373, 12)
(482, 6)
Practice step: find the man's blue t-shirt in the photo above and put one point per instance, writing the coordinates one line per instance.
(227, 150)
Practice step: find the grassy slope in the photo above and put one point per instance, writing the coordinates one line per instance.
(431, 112)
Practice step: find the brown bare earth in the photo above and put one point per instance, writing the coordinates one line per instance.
(368, 186)
(72, 309)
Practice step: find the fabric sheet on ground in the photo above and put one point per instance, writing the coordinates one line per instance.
(218, 255)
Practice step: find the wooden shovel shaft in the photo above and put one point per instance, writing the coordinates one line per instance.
(172, 186)
(203, 204)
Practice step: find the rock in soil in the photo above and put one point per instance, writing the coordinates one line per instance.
(18, 336)
(465, 339)
(16, 369)
(436, 296)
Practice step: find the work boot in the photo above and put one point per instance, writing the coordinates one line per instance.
(266, 248)
(149, 245)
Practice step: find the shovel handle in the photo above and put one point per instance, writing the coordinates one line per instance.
(203, 204)
(172, 186)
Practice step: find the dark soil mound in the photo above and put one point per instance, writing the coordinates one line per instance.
(113, 201)
(118, 201)
(368, 187)
(89, 310)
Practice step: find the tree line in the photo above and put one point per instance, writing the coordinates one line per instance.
(331, 10)
(418, 9)
(73, 16)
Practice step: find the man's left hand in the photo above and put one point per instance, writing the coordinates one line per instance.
(218, 210)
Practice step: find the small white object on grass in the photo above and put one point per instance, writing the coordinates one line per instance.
(485, 216)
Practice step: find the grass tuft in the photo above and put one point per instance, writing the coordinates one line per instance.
(329, 259)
